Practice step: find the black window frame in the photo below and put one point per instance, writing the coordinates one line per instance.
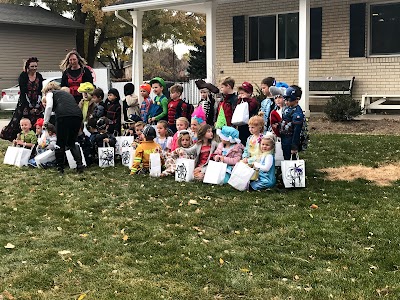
(370, 16)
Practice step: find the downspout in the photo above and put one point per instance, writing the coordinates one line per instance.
(134, 40)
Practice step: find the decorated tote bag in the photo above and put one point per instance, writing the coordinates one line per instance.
(127, 156)
(294, 173)
(184, 169)
(106, 156)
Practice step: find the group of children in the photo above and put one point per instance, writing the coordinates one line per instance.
(173, 129)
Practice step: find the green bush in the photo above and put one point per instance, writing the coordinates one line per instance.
(342, 107)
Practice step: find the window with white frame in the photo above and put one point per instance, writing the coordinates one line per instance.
(269, 39)
(385, 29)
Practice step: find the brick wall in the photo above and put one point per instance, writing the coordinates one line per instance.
(373, 74)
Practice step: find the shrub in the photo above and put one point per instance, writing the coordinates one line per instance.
(342, 107)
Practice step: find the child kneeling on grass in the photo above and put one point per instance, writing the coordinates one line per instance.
(141, 162)
(265, 165)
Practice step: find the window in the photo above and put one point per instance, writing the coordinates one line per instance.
(385, 29)
(277, 36)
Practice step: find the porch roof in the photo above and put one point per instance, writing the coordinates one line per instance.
(196, 6)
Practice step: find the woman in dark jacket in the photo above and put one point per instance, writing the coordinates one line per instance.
(68, 122)
(75, 72)
(29, 103)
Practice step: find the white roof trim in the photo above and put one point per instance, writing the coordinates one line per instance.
(149, 5)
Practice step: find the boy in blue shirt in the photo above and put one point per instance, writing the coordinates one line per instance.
(292, 122)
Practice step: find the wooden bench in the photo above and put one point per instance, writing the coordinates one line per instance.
(322, 89)
(376, 101)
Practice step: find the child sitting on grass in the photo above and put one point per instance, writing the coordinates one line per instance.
(252, 149)
(230, 149)
(184, 142)
(104, 137)
(202, 150)
(141, 162)
(47, 141)
(163, 138)
(265, 165)
(27, 137)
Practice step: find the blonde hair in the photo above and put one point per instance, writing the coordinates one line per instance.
(184, 120)
(51, 86)
(269, 139)
(257, 121)
(25, 120)
(65, 62)
(140, 123)
(65, 89)
(181, 135)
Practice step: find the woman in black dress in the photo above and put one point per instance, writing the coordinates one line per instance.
(75, 72)
(29, 103)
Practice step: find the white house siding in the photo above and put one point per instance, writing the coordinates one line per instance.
(373, 74)
(18, 42)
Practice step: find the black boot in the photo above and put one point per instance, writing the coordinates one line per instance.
(76, 153)
(60, 154)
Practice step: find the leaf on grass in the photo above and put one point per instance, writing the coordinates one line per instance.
(9, 246)
(221, 261)
(308, 288)
(61, 194)
(192, 202)
(59, 228)
(296, 277)
(83, 235)
(125, 237)
(244, 270)
(313, 206)
(81, 296)
(64, 252)
(79, 263)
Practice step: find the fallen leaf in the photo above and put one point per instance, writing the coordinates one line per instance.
(83, 235)
(125, 237)
(221, 261)
(79, 263)
(81, 296)
(64, 252)
(296, 277)
(308, 288)
(61, 194)
(244, 270)
(192, 202)
(314, 206)
(59, 228)
(9, 246)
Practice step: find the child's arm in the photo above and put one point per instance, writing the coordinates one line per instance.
(217, 155)
(234, 156)
(137, 160)
(164, 104)
(265, 165)
(246, 152)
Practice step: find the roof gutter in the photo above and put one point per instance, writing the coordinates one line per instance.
(151, 4)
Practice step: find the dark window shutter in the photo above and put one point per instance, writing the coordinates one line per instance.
(239, 53)
(316, 33)
(357, 30)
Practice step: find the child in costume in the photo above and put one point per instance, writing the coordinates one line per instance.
(265, 165)
(229, 102)
(207, 101)
(27, 137)
(184, 142)
(159, 107)
(230, 149)
(87, 104)
(113, 111)
(145, 90)
(163, 138)
(252, 149)
(130, 104)
(182, 123)
(202, 150)
(141, 162)
(198, 119)
(103, 136)
(47, 141)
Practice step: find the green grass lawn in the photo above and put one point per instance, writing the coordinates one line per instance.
(136, 237)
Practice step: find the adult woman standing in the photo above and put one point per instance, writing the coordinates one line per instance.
(68, 122)
(29, 103)
(75, 72)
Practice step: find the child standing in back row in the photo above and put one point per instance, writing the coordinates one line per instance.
(230, 99)
(113, 111)
(176, 107)
(145, 90)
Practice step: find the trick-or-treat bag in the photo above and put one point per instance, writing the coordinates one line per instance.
(155, 164)
(215, 172)
(184, 169)
(127, 155)
(240, 176)
(106, 156)
(294, 173)
(241, 114)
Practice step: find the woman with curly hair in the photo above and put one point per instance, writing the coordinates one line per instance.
(29, 104)
(75, 72)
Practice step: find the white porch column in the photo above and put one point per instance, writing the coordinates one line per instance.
(211, 20)
(137, 57)
(304, 52)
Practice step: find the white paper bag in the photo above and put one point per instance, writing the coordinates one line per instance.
(22, 157)
(184, 169)
(241, 114)
(127, 155)
(240, 176)
(45, 157)
(123, 141)
(293, 173)
(106, 156)
(155, 164)
(71, 159)
(278, 153)
(215, 172)
(11, 155)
